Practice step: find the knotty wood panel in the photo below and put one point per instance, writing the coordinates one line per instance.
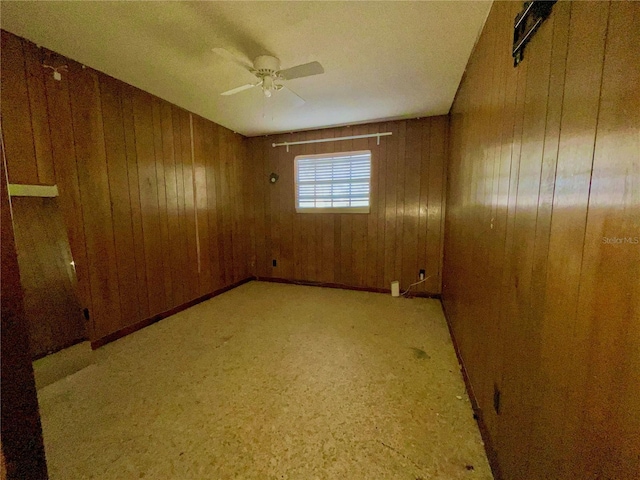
(401, 234)
(544, 165)
(48, 279)
(155, 215)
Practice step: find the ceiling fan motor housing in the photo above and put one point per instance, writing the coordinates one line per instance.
(266, 66)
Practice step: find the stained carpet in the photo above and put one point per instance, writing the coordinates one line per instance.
(271, 381)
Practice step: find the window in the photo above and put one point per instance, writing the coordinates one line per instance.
(333, 183)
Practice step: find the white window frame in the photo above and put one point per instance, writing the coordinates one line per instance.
(331, 209)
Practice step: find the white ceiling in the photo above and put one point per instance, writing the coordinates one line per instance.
(382, 60)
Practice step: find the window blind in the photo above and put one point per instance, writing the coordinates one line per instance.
(334, 182)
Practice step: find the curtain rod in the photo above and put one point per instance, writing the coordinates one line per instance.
(335, 139)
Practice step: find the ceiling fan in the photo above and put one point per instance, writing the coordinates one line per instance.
(267, 70)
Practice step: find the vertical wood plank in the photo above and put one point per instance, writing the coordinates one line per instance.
(16, 118)
(224, 226)
(391, 205)
(212, 160)
(66, 170)
(423, 204)
(200, 179)
(260, 182)
(95, 199)
(174, 252)
(522, 336)
(39, 114)
(163, 220)
(182, 274)
(381, 280)
(410, 233)
(609, 297)
(134, 198)
(235, 209)
(265, 146)
(400, 201)
(575, 155)
(435, 211)
(148, 188)
(289, 257)
(116, 158)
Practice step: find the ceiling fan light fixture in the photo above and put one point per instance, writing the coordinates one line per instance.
(267, 85)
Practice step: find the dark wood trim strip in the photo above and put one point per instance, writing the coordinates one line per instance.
(490, 450)
(123, 332)
(342, 286)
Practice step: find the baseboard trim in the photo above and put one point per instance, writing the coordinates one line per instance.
(123, 332)
(489, 448)
(341, 286)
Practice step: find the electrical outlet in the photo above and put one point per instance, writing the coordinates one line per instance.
(275, 262)
(421, 274)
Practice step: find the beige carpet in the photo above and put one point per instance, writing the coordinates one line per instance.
(271, 381)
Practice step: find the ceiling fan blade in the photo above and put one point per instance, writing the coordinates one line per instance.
(297, 99)
(299, 71)
(226, 54)
(240, 89)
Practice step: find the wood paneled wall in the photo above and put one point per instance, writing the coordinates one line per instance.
(542, 258)
(153, 196)
(401, 234)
